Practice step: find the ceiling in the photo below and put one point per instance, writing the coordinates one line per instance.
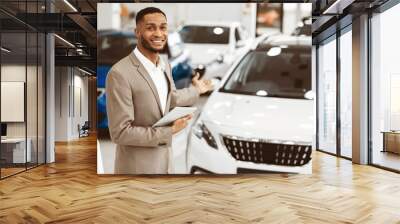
(74, 21)
(328, 16)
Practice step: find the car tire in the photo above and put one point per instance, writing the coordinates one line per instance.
(197, 170)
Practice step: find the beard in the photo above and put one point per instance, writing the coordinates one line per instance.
(148, 46)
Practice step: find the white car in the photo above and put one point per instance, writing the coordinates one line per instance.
(214, 45)
(261, 117)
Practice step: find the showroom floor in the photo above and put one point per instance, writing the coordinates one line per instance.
(387, 159)
(70, 191)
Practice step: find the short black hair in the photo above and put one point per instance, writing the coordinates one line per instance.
(148, 10)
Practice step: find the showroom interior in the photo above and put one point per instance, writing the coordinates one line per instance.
(38, 107)
(51, 83)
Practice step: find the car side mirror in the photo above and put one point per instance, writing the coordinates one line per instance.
(216, 82)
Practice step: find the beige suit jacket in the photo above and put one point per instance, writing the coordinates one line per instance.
(133, 106)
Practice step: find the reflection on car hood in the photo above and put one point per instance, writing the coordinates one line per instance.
(259, 117)
(206, 53)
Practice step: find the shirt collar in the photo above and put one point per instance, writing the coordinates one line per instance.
(149, 65)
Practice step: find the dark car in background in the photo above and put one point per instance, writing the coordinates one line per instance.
(114, 45)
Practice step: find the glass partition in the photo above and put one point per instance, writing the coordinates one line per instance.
(22, 89)
(385, 89)
(14, 153)
(346, 93)
(327, 96)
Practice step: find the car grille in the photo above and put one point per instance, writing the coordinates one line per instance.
(265, 152)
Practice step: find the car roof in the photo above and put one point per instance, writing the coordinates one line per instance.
(279, 40)
(116, 33)
(211, 23)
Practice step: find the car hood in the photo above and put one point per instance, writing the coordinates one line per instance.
(206, 53)
(259, 117)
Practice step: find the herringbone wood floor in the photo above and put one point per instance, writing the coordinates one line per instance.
(70, 191)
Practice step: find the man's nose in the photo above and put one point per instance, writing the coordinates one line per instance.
(158, 33)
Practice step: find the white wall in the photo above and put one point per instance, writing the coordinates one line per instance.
(108, 16)
(67, 117)
(293, 14)
(178, 14)
(16, 73)
(314, 89)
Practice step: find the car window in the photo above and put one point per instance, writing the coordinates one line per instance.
(205, 34)
(113, 48)
(274, 72)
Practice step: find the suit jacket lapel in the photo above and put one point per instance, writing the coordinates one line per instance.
(142, 71)
(168, 75)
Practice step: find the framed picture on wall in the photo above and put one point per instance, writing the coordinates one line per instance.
(269, 18)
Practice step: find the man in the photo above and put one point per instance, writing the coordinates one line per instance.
(140, 91)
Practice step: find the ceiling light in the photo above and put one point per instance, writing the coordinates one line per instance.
(84, 71)
(337, 7)
(309, 95)
(5, 50)
(262, 93)
(70, 5)
(218, 30)
(64, 40)
(274, 51)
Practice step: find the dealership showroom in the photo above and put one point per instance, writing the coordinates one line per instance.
(291, 111)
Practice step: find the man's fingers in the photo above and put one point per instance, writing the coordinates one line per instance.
(196, 77)
(188, 117)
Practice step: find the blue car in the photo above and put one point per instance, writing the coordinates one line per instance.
(114, 45)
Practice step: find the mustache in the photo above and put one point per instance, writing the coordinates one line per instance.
(148, 46)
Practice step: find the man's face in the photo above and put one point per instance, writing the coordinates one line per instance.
(152, 32)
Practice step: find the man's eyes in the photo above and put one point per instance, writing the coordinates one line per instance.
(151, 28)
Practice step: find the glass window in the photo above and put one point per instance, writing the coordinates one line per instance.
(205, 34)
(327, 96)
(15, 149)
(267, 72)
(346, 94)
(22, 90)
(385, 89)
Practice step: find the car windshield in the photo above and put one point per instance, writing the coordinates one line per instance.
(205, 34)
(274, 72)
(112, 48)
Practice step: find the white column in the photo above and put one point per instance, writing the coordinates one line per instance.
(360, 90)
(50, 99)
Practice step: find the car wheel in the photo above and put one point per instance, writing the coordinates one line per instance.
(197, 170)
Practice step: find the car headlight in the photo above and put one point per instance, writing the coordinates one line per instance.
(201, 131)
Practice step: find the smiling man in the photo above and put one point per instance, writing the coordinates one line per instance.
(140, 91)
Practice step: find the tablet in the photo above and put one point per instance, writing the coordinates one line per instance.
(174, 114)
